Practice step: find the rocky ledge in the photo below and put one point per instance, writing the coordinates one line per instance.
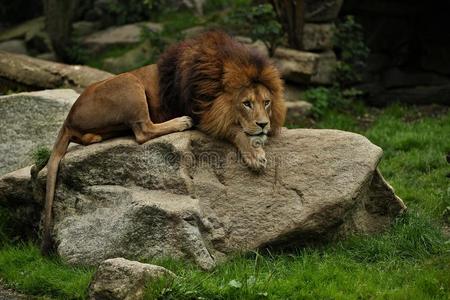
(188, 196)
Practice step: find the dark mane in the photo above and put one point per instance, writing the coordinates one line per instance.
(192, 73)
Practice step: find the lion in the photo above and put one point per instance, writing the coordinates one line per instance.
(211, 81)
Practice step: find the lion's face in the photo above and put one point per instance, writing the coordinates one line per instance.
(253, 107)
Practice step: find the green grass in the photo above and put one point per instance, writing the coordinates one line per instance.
(24, 269)
(41, 156)
(410, 261)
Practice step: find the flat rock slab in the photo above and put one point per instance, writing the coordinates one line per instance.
(30, 120)
(186, 195)
(42, 74)
(129, 34)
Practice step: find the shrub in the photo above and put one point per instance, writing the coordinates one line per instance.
(259, 22)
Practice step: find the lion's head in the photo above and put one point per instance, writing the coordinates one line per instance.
(251, 100)
(224, 85)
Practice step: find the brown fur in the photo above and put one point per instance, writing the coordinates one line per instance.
(229, 92)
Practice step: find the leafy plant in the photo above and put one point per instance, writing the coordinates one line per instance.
(351, 50)
(41, 156)
(259, 23)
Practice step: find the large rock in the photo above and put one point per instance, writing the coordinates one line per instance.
(189, 196)
(41, 74)
(123, 279)
(30, 120)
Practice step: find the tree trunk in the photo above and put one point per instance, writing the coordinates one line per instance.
(59, 17)
(291, 14)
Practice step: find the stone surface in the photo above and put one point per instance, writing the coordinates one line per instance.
(318, 36)
(123, 279)
(325, 68)
(29, 120)
(130, 34)
(322, 10)
(189, 196)
(14, 46)
(21, 30)
(16, 197)
(297, 111)
(41, 74)
(296, 66)
(129, 60)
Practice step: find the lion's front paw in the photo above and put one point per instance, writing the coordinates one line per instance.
(255, 160)
(184, 123)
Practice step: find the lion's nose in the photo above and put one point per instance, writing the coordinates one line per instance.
(262, 124)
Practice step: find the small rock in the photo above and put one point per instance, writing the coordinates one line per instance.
(130, 34)
(123, 279)
(130, 60)
(296, 66)
(297, 110)
(14, 46)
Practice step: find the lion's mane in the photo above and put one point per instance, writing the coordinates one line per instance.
(201, 76)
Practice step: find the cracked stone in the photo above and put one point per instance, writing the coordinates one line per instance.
(188, 196)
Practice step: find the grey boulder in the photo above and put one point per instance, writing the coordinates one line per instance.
(121, 279)
(188, 196)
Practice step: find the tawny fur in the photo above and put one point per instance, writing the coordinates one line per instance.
(211, 81)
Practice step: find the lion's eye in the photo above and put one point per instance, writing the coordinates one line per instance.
(247, 104)
(266, 103)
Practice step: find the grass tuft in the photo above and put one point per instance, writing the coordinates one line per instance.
(41, 156)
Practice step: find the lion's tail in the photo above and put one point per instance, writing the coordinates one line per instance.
(59, 149)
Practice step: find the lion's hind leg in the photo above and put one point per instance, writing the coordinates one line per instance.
(145, 131)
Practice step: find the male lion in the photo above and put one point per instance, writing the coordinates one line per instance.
(211, 81)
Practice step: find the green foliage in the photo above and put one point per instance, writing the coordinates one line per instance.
(352, 51)
(259, 22)
(129, 11)
(324, 99)
(41, 156)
